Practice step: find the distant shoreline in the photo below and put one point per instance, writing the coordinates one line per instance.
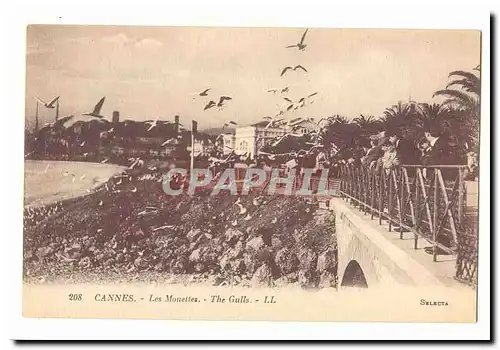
(45, 182)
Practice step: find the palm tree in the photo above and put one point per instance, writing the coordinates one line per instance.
(364, 121)
(338, 119)
(340, 132)
(469, 82)
(368, 124)
(434, 114)
(400, 111)
(400, 116)
(465, 104)
(467, 96)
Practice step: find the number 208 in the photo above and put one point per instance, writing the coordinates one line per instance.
(75, 297)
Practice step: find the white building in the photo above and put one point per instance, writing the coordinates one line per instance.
(249, 139)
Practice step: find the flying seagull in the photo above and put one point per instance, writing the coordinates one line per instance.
(292, 68)
(210, 104)
(300, 45)
(59, 123)
(272, 121)
(51, 104)
(204, 92)
(228, 124)
(222, 99)
(170, 141)
(154, 123)
(97, 110)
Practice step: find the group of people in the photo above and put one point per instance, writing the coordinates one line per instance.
(385, 150)
(389, 149)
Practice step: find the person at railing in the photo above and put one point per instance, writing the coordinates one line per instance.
(390, 159)
(440, 150)
(382, 138)
(425, 149)
(440, 153)
(472, 165)
(373, 154)
(320, 160)
(406, 150)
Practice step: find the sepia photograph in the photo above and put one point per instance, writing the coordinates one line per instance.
(169, 170)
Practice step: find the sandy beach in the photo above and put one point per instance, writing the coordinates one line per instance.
(46, 182)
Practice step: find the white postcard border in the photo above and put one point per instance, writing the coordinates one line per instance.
(355, 14)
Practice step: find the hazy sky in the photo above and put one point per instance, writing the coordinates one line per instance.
(149, 72)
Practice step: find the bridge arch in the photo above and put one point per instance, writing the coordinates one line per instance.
(354, 276)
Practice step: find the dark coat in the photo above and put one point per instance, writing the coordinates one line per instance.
(373, 154)
(425, 157)
(407, 152)
(440, 152)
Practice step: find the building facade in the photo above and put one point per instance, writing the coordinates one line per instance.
(250, 139)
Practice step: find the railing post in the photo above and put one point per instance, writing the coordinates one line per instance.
(435, 216)
(366, 187)
(401, 204)
(380, 196)
(373, 183)
(349, 172)
(389, 202)
(461, 196)
(417, 205)
(357, 186)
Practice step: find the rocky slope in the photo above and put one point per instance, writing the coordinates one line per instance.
(227, 240)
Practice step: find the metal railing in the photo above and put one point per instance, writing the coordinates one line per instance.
(427, 202)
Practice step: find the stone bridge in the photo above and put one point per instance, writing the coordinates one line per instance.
(369, 255)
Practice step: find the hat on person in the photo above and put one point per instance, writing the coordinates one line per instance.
(374, 137)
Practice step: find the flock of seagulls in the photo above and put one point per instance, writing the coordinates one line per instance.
(281, 91)
(275, 121)
(298, 104)
(278, 120)
(211, 103)
(35, 215)
(96, 114)
(219, 104)
(301, 103)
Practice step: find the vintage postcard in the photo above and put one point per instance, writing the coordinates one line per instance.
(252, 173)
